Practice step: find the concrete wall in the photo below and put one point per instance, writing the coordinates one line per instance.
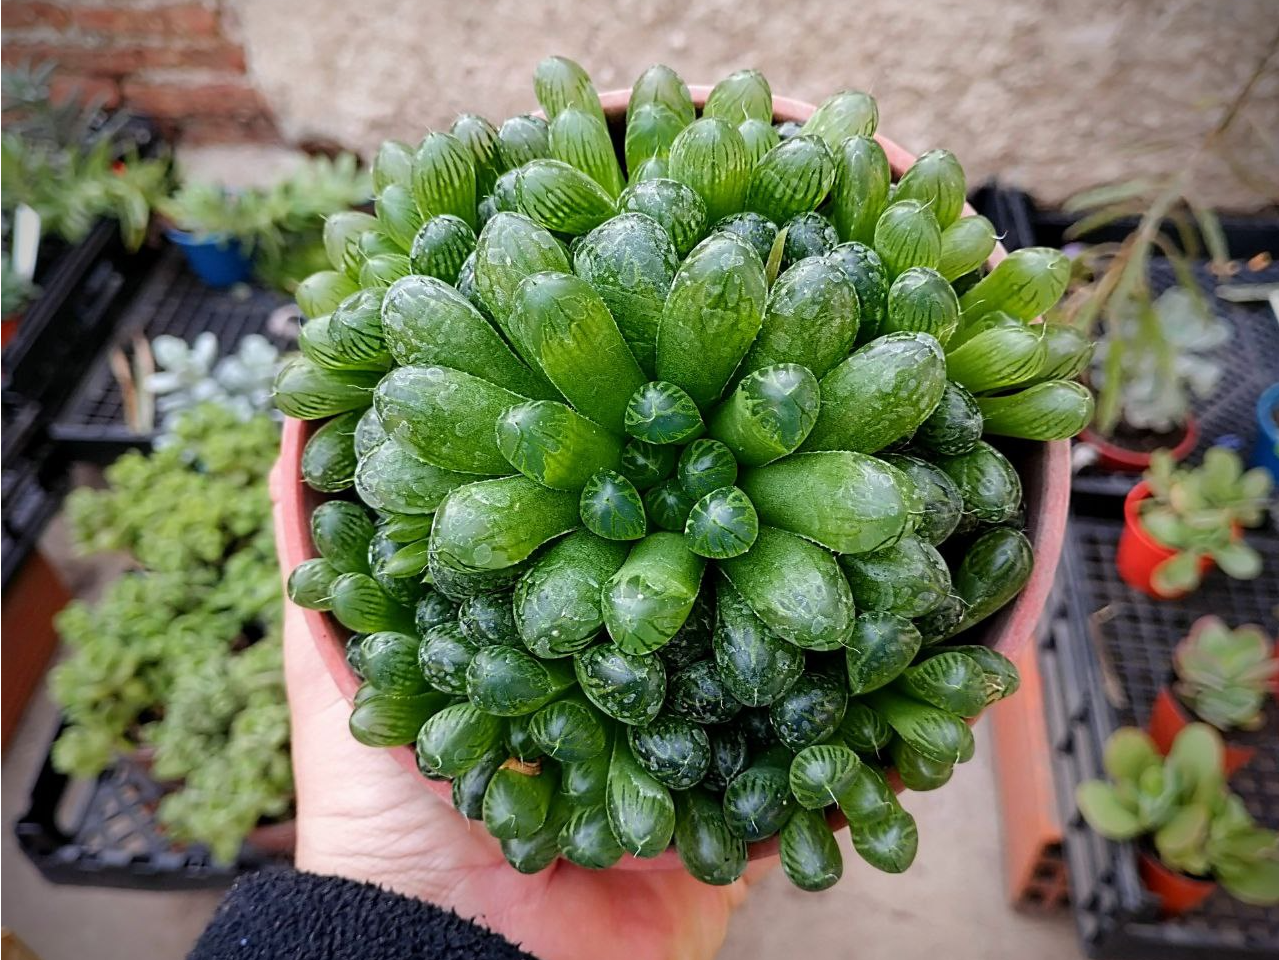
(1055, 95)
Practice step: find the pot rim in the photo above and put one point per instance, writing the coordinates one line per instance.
(1047, 483)
(1130, 459)
(1132, 520)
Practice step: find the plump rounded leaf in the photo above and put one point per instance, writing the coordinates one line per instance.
(755, 228)
(965, 246)
(660, 84)
(675, 205)
(954, 427)
(561, 197)
(949, 681)
(807, 235)
(863, 730)
(309, 392)
(443, 656)
(810, 855)
(310, 583)
(987, 481)
(880, 647)
(489, 619)
(470, 785)
(707, 848)
(942, 503)
(760, 136)
(888, 844)
(756, 665)
(880, 394)
(868, 798)
(388, 720)
(456, 738)
(999, 674)
(810, 711)
(744, 94)
(811, 319)
(907, 235)
(792, 178)
(920, 299)
(847, 502)
(795, 587)
(640, 810)
(668, 505)
(388, 660)
(705, 465)
(660, 412)
(674, 750)
(612, 508)
(444, 177)
(392, 478)
(441, 246)
(758, 802)
(936, 734)
(328, 459)
(865, 268)
(729, 756)
(560, 84)
(909, 578)
(582, 140)
(650, 597)
(341, 532)
(722, 524)
(560, 322)
(1054, 410)
(523, 138)
(320, 292)
(821, 773)
(557, 603)
(849, 113)
(1025, 284)
(587, 840)
(935, 180)
(551, 443)
(630, 260)
(699, 693)
(917, 772)
(645, 464)
(860, 190)
(510, 248)
(393, 163)
(650, 131)
(710, 156)
(629, 688)
(993, 571)
(570, 730)
(481, 138)
(508, 682)
(518, 799)
(495, 524)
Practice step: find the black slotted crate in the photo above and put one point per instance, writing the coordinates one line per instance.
(1104, 663)
(170, 301)
(104, 833)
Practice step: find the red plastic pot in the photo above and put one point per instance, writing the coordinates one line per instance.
(1111, 456)
(1139, 553)
(1177, 893)
(1168, 716)
(1044, 469)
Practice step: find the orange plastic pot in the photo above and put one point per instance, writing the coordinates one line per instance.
(1111, 456)
(1177, 893)
(1044, 469)
(1168, 716)
(1139, 553)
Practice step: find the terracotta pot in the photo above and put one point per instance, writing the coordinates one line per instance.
(277, 839)
(1111, 456)
(9, 328)
(1168, 716)
(1044, 469)
(1177, 893)
(1139, 553)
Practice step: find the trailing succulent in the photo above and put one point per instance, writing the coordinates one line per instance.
(654, 468)
(183, 653)
(1181, 802)
(1224, 675)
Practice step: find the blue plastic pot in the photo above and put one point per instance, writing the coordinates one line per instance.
(218, 260)
(1265, 453)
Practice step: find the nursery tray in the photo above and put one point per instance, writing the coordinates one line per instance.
(32, 483)
(1103, 663)
(171, 300)
(103, 833)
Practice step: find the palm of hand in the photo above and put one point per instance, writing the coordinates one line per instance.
(362, 816)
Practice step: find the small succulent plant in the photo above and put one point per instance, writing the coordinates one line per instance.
(1197, 512)
(1223, 675)
(191, 374)
(1198, 826)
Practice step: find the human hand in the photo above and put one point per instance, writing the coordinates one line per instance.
(362, 816)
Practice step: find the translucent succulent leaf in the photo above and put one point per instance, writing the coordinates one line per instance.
(722, 524)
(662, 413)
(611, 507)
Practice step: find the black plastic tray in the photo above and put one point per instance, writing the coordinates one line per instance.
(172, 301)
(103, 833)
(1103, 664)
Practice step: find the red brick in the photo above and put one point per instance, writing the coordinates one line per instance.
(226, 99)
(177, 20)
(103, 89)
(119, 61)
(15, 14)
(203, 130)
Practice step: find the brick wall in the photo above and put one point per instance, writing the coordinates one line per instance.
(180, 63)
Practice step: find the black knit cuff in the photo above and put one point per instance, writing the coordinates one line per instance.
(279, 914)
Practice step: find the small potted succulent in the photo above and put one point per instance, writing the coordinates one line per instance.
(215, 230)
(1222, 677)
(1193, 833)
(1265, 452)
(1178, 522)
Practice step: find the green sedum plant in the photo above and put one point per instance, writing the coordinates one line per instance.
(1198, 511)
(1224, 675)
(1197, 826)
(182, 653)
(651, 469)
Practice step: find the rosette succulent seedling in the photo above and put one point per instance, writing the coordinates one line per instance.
(1198, 827)
(668, 497)
(1223, 675)
(1199, 513)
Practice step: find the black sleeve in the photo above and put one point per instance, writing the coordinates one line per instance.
(281, 914)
